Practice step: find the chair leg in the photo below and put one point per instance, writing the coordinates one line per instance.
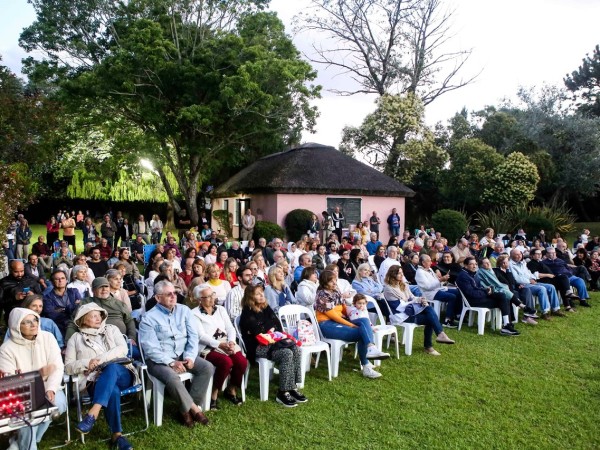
(335, 360)
(263, 377)
(328, 363)
(408, 339)
(379, 344)
(158, 390)
(462, 317)
(481, 323)
(397, 345)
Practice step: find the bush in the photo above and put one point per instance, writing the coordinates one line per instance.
(452, 224)
(295, 223)
(267, 230)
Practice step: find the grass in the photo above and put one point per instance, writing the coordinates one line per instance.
(540, 390)
(537, 390)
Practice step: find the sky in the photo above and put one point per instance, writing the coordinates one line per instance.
(514, 43)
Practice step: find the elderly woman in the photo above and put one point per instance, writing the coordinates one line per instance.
(35, 303)
(29, 348)
(217, 345)
(88, 356)
(278, 292)
(364, 284)
(114, 280)
(396, 290)
(258, 318)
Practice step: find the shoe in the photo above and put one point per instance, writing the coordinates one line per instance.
(444, 339)
(369, 372)
(86, 425)
(529, 312)
(509, 330)
(529, 320)
(432, 351)
(214, 406)
(232, 398)
(584, 303)
(199, 417)
(121, 443)
(558, 313)
(373, 353)
(546, 316)
(298, 396)
(571, 309)
(572, 296)
(449, 324)
(187, 419)
(286, 399)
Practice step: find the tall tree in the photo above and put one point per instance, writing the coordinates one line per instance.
(585, 83)
(192, 85)
(387, 46)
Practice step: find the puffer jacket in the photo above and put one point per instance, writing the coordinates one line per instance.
(105, 343)
(18, 353)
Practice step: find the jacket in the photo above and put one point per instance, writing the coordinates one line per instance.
(18, 353)
(105, 343)
(167, 336)
(208, 326)
(61, 309)
(306, 293)
(428, 282)
(118, 315)
(466, 282)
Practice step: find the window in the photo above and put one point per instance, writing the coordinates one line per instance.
(350, 207)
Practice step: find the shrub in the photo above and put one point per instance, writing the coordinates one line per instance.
(452, 224)
(295, 223)
(268, 230)
(222, 218)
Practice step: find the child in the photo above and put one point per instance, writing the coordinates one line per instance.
(79, 282)
(358, 309)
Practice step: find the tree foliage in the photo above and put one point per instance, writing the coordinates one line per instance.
(585, 84)
(195, 86)
(513, 182)
(18, 191)
(387, 46)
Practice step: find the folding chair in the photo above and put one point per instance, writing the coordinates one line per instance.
(290, 315)
(265, 366)
(382, 329)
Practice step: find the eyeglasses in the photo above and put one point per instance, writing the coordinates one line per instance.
(213, 295)
(30, 323)
(168, 294)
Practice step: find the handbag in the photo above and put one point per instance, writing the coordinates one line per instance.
(279, 345)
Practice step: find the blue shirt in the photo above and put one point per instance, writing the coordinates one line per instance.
(168, 336)
(372, 246)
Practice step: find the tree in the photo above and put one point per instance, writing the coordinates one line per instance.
(471, 164)
(18, 191)
(387, 46)
(395, 139)
(194, 86)
(585, 84)
(513, 182)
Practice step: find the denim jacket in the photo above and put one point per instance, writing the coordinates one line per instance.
(168, 336)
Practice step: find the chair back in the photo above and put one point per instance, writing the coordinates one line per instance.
(371, 260)
(292, 314)
(465, 302)
(236, 325)
(379, 317)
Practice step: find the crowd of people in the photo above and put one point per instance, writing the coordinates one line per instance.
(136, 294)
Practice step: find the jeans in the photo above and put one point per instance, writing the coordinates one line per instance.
(362, 334)
(453, 302)
(395, 230)
(415, 290)
(579, 284)
(546, 294)
(106, 391)
(24, 434)
(429, 318)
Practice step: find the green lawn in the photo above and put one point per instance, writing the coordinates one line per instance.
(540, 390)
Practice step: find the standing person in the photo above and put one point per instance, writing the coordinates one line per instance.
(326, 225)
(374, 223)
(338, 222)
(52, 227)
(119, 220)
(393, 221)
(313, 227)
(142, 228)
(43, 252)
(248, 223)
(23, 239)
(108, 229)
(89, 231)
(156, 227)
(183, 222)
(27, 349)
(68, 225)
(170, 342)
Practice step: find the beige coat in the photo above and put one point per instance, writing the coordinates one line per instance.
(18, 353)
(105, 343)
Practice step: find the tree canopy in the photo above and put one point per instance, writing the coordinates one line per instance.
(195, 86)
(585, 83)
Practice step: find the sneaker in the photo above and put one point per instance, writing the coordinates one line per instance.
(558, 313)
(531, 313)
(86, 425)
(529, 320)
(449, 324)
(373, 353)
(286, 399)
(214, 406)
(298, 396)
(369, 372)
(121, 443)
(509, 330)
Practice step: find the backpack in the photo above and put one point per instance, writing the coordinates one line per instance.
(306, 334)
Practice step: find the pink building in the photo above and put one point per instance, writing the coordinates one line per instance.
(314, 177)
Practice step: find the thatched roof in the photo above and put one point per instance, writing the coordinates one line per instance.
(311, 169)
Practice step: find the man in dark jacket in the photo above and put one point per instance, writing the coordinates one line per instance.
(14, 287)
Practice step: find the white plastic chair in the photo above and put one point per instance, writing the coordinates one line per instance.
(382, 330)
(265, 366)
(290, 315)
(371, 260)
(408, 332)
(483, 314)
(337, 348)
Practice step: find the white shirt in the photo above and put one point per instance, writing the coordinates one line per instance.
(385, 266)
